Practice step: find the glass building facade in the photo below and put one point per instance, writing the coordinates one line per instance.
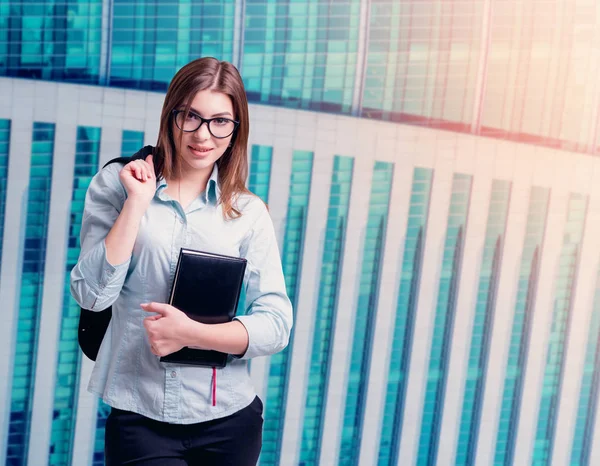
(366, 309)
(590, 388)
(320, 355)
(521, 327)
(416, 230)
(437, 63)
(482, 323)
(291, 261)
(561, 320)
(444, 320)
(31, 289)
(69, 356)
(438, 74)
(4, 145)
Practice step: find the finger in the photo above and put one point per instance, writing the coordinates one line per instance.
(159, 308)
(150, 162)
(141, 165)
(152, 318)
(138, 171)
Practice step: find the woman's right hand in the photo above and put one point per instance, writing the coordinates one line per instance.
(139, 180)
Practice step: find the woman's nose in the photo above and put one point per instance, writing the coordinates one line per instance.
(202, 132)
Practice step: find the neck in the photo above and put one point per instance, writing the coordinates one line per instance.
(193, 179)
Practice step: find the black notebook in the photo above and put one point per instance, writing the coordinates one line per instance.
(207, 288)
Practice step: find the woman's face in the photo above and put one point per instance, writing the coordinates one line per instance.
(199, 149)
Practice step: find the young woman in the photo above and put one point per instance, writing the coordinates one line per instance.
(190, 193)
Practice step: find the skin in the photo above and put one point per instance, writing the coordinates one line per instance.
(168, 328)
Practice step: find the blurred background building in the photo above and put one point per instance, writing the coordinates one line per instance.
(431, 170)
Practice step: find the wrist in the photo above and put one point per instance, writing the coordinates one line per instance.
(194, 334)
(136, 205)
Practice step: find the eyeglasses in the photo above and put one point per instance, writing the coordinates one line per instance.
(218, 127)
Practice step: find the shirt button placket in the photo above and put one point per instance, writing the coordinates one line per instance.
(172, 389)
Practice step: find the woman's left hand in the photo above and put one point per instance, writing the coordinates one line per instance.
(166, 331)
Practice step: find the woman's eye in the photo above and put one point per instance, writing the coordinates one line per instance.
(192, 117)
(221, 121)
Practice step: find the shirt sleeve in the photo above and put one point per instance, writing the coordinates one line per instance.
(95, 283)
(268, 318)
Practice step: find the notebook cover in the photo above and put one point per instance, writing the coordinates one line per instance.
(207, 288)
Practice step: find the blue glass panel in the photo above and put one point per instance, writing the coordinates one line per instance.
(559, 334)
(482, 323)
(301, 54)
(31, 291)
(435, 388)
(325, 312)
(4, 154)
(590, 388)
(258, 183)
(132, 142)
(260, 171)
(291, 260)
(51, 39)
(406, 308)
(521, 327)
(64, 414)
(366, 312)
(153, 39)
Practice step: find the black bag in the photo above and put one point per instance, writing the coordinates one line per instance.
(93, 324)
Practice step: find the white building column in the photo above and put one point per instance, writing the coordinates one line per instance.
(542, 315)
(54, 276)
(307, 301)
(349, 283)
(19, 105)
(427, 298)
(387, 305)
(505, 309)
(581, 313)
(479, 161)
(85, 424)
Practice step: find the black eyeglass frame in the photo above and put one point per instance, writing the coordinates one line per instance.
(176, 112)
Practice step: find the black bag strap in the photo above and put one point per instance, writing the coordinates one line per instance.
(93, 324)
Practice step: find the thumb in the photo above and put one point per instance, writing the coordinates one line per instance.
(159, 308)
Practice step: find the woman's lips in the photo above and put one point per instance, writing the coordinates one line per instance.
(199, 153)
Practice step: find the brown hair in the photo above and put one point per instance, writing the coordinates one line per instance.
(208, 74)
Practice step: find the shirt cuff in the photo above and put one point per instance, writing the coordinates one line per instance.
(254, 328)
(103, 279)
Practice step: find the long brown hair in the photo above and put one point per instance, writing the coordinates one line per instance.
(207, 74)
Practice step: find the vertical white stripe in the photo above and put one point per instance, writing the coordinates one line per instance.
(427, 300)
(307, 300)
(362, 43)
(505, 310)
(106, 42)
(542, 317)
(346, 309)
(484, 48)
(474, 242)
(391, 269)
(53, 293)
(13, 244)
(110, 145)
(581, 312)
(85, 425)
(238, 34)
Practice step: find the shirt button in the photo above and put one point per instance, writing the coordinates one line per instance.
(173, 374)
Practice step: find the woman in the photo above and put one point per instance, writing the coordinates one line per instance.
(192, 194)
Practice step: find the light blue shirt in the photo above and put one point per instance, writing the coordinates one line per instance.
(126, 374)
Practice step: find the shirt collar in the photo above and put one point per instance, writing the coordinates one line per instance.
(212, 192)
